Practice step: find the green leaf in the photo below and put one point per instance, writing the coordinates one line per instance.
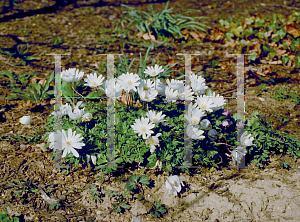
(272, 54)
(126, 206)
(285, 59)
(276, 38)
(253, 56)
(281, 32)
(293, 47)
(266, 48)
(214, 63)
(130, 185)
(134, 178)
(144, 180)
(92, 95)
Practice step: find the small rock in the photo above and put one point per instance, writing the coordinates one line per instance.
(135, 219)
(138, 208)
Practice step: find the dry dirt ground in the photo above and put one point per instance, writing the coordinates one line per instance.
(251, 194)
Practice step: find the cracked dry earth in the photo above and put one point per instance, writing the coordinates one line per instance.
(248, 194)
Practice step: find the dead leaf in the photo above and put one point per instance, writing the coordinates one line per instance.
(293, 30)
(216, 35)
(280, 52)
(28, 104)
(274, 35)
(267, 34)
(195, 36)
(138, 104)
(148, 36)
(126, 99)
(275, 62)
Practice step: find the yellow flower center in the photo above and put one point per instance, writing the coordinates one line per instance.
(203, 106)
(152, 141)
(155, 119)
(94, 83)
(143, 129)
(129, 83)
(194, 121)
(154, 73)
(145, 88)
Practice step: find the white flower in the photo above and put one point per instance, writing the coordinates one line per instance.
(173, 184)
(70, 142)
(205, 103)
(25, 120)
(129, 81)
(155, 118)
(198, 84)
(213, 134)
(194, 114)
(147, 96)
(93, 80)
(55, 137)
(171, 95)
(146, 86)
(175, 84)
(185, 91)
(153, 141)
(205, 123)
(194, 132)
(246, 140)
(72, 75)
(86, 117)
(219, 101)
(110, 86)
(63, 110)
(93, 157)
(160, 87)
(153, 71)
(77, 113)
(143, 127)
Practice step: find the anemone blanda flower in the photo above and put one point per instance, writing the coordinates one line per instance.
(153, 141)
(246, 140)
(25, 120)
(205, 123)
(147, 96)
(129, 81)
(160, 87)
(76, 113)
(194, 114)
(146, 85)
(205, 102)
(93, 80)
(171, 95)
(175, 84)
(194, 132)
(185, 93)
(155, 118)
(70, 142)
(173, 184)
(153, 70)
(93, 157)
(143, 127)
(86, 117)
(72, 75)
(218, 100)
(112, 89)
(63, 110)
(198, 84)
